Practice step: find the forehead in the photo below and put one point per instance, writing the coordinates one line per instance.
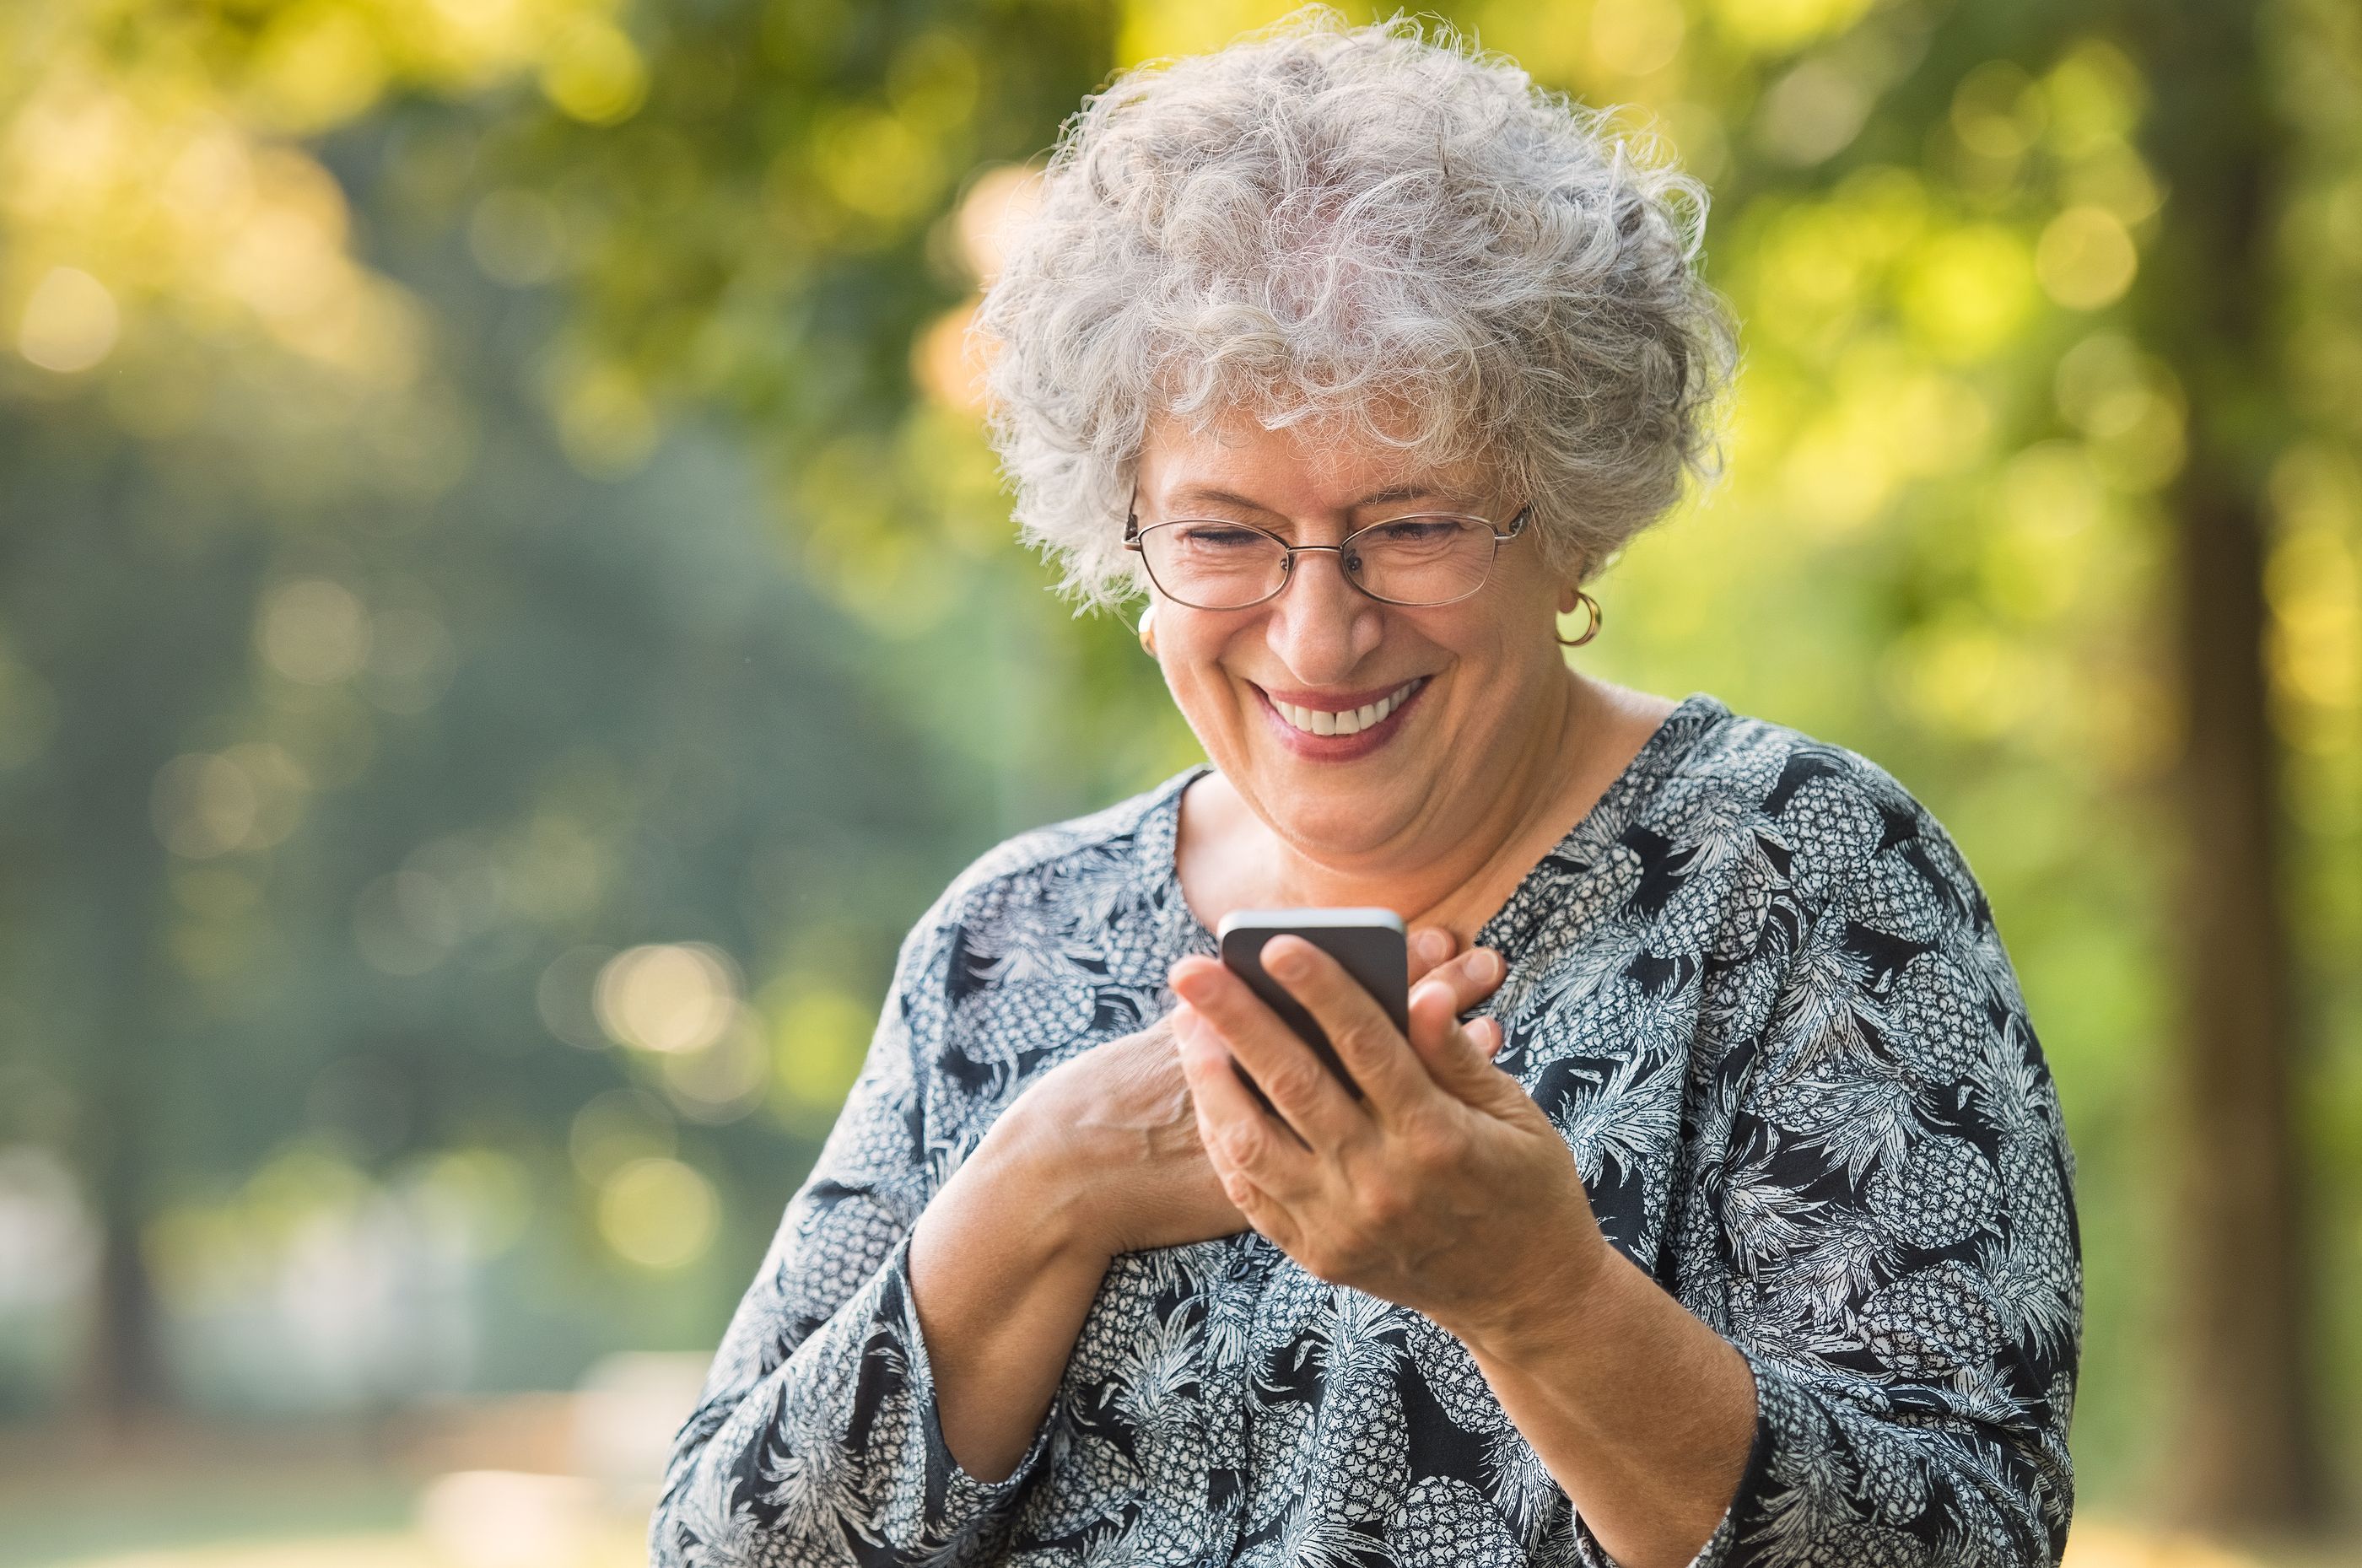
(1240, 462)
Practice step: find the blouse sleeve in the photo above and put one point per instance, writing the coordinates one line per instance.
(1893, 1217)
(817, 1439)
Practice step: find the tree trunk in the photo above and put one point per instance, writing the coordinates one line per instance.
(122, 1371)
(2247, 1458)
(122, 1377)
(2249, 1461)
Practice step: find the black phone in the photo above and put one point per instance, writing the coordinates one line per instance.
(1369, 943)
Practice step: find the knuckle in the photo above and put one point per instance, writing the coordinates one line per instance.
(1467, 990)
(1293, 1082)
(1242, 1144)
(1385, 1202)
(1425, 1146)
(1364, 1039)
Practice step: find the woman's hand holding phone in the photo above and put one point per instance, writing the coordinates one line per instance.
(1099, 1156)
(1443, 1187)
(1111, 1135)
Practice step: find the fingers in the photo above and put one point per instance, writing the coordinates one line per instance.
(1247, 1149)
(1364, 1037)
(1441, 1041)
(1429, 946)
(1471, 977)
(1456, 1058)
(1460, 1054)
(1433, 951)
(1300, 1087)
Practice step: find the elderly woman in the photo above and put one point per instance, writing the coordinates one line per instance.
(1737, 1227)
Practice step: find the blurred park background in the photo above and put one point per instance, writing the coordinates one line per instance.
(506, 616)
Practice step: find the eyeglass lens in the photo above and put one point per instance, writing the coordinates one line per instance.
(1410, 560)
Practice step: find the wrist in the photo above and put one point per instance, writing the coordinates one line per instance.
(1538, 1303)
(1025, 1173)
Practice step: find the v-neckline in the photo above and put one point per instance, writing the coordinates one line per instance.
(1504, 928)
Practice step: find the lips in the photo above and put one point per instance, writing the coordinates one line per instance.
(1350, 732)
(1326, 721)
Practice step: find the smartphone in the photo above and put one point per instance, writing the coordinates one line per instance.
(1369, 943)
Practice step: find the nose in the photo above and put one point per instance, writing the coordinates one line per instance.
(1320, 624)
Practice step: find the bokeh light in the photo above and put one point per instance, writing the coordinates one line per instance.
(657, 1212)
(667, 997)
(69, 323)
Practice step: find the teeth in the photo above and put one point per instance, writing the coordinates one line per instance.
(1352, 721)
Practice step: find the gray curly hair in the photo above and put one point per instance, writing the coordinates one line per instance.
(1374, 235)
(1378, 235)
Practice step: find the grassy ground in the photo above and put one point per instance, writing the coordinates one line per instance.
(484, 1494)
(620, 1548)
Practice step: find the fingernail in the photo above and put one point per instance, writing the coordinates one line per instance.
(1490, 967)
(1434, 946)
(1288, 964)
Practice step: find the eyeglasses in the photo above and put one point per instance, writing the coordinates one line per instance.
(1424, 559)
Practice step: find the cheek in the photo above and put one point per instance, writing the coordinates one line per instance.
(1194, 672)
(1505, 665)
(1515, 637)
(1491, 649)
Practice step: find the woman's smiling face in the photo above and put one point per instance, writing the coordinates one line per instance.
(1467, 681)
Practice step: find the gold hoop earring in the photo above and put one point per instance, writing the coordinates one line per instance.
(1591, 630)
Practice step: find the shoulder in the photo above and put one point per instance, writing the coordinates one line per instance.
(1838, 826)
(1879, 940)
(1081, 871)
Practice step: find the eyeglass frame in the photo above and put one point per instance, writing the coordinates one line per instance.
(1133, 532)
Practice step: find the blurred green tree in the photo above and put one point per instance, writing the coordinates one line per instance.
(343, 716)
(2212, 304)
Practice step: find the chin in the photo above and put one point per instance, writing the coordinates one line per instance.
(1317, 810)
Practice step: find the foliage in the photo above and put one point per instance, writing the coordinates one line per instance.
(403, 392)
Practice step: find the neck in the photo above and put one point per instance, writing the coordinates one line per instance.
(1461, 885)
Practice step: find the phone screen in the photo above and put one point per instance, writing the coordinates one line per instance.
(1369, 943)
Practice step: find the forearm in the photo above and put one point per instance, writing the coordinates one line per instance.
(837, 1443)
(1001, 1285)
(1643, 1414)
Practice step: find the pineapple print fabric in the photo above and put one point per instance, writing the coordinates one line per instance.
(1763, 999)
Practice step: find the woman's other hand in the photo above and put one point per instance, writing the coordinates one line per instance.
(1445, 1188)
(1116, 1138)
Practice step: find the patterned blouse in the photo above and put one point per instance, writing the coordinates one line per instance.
(1763, 999)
